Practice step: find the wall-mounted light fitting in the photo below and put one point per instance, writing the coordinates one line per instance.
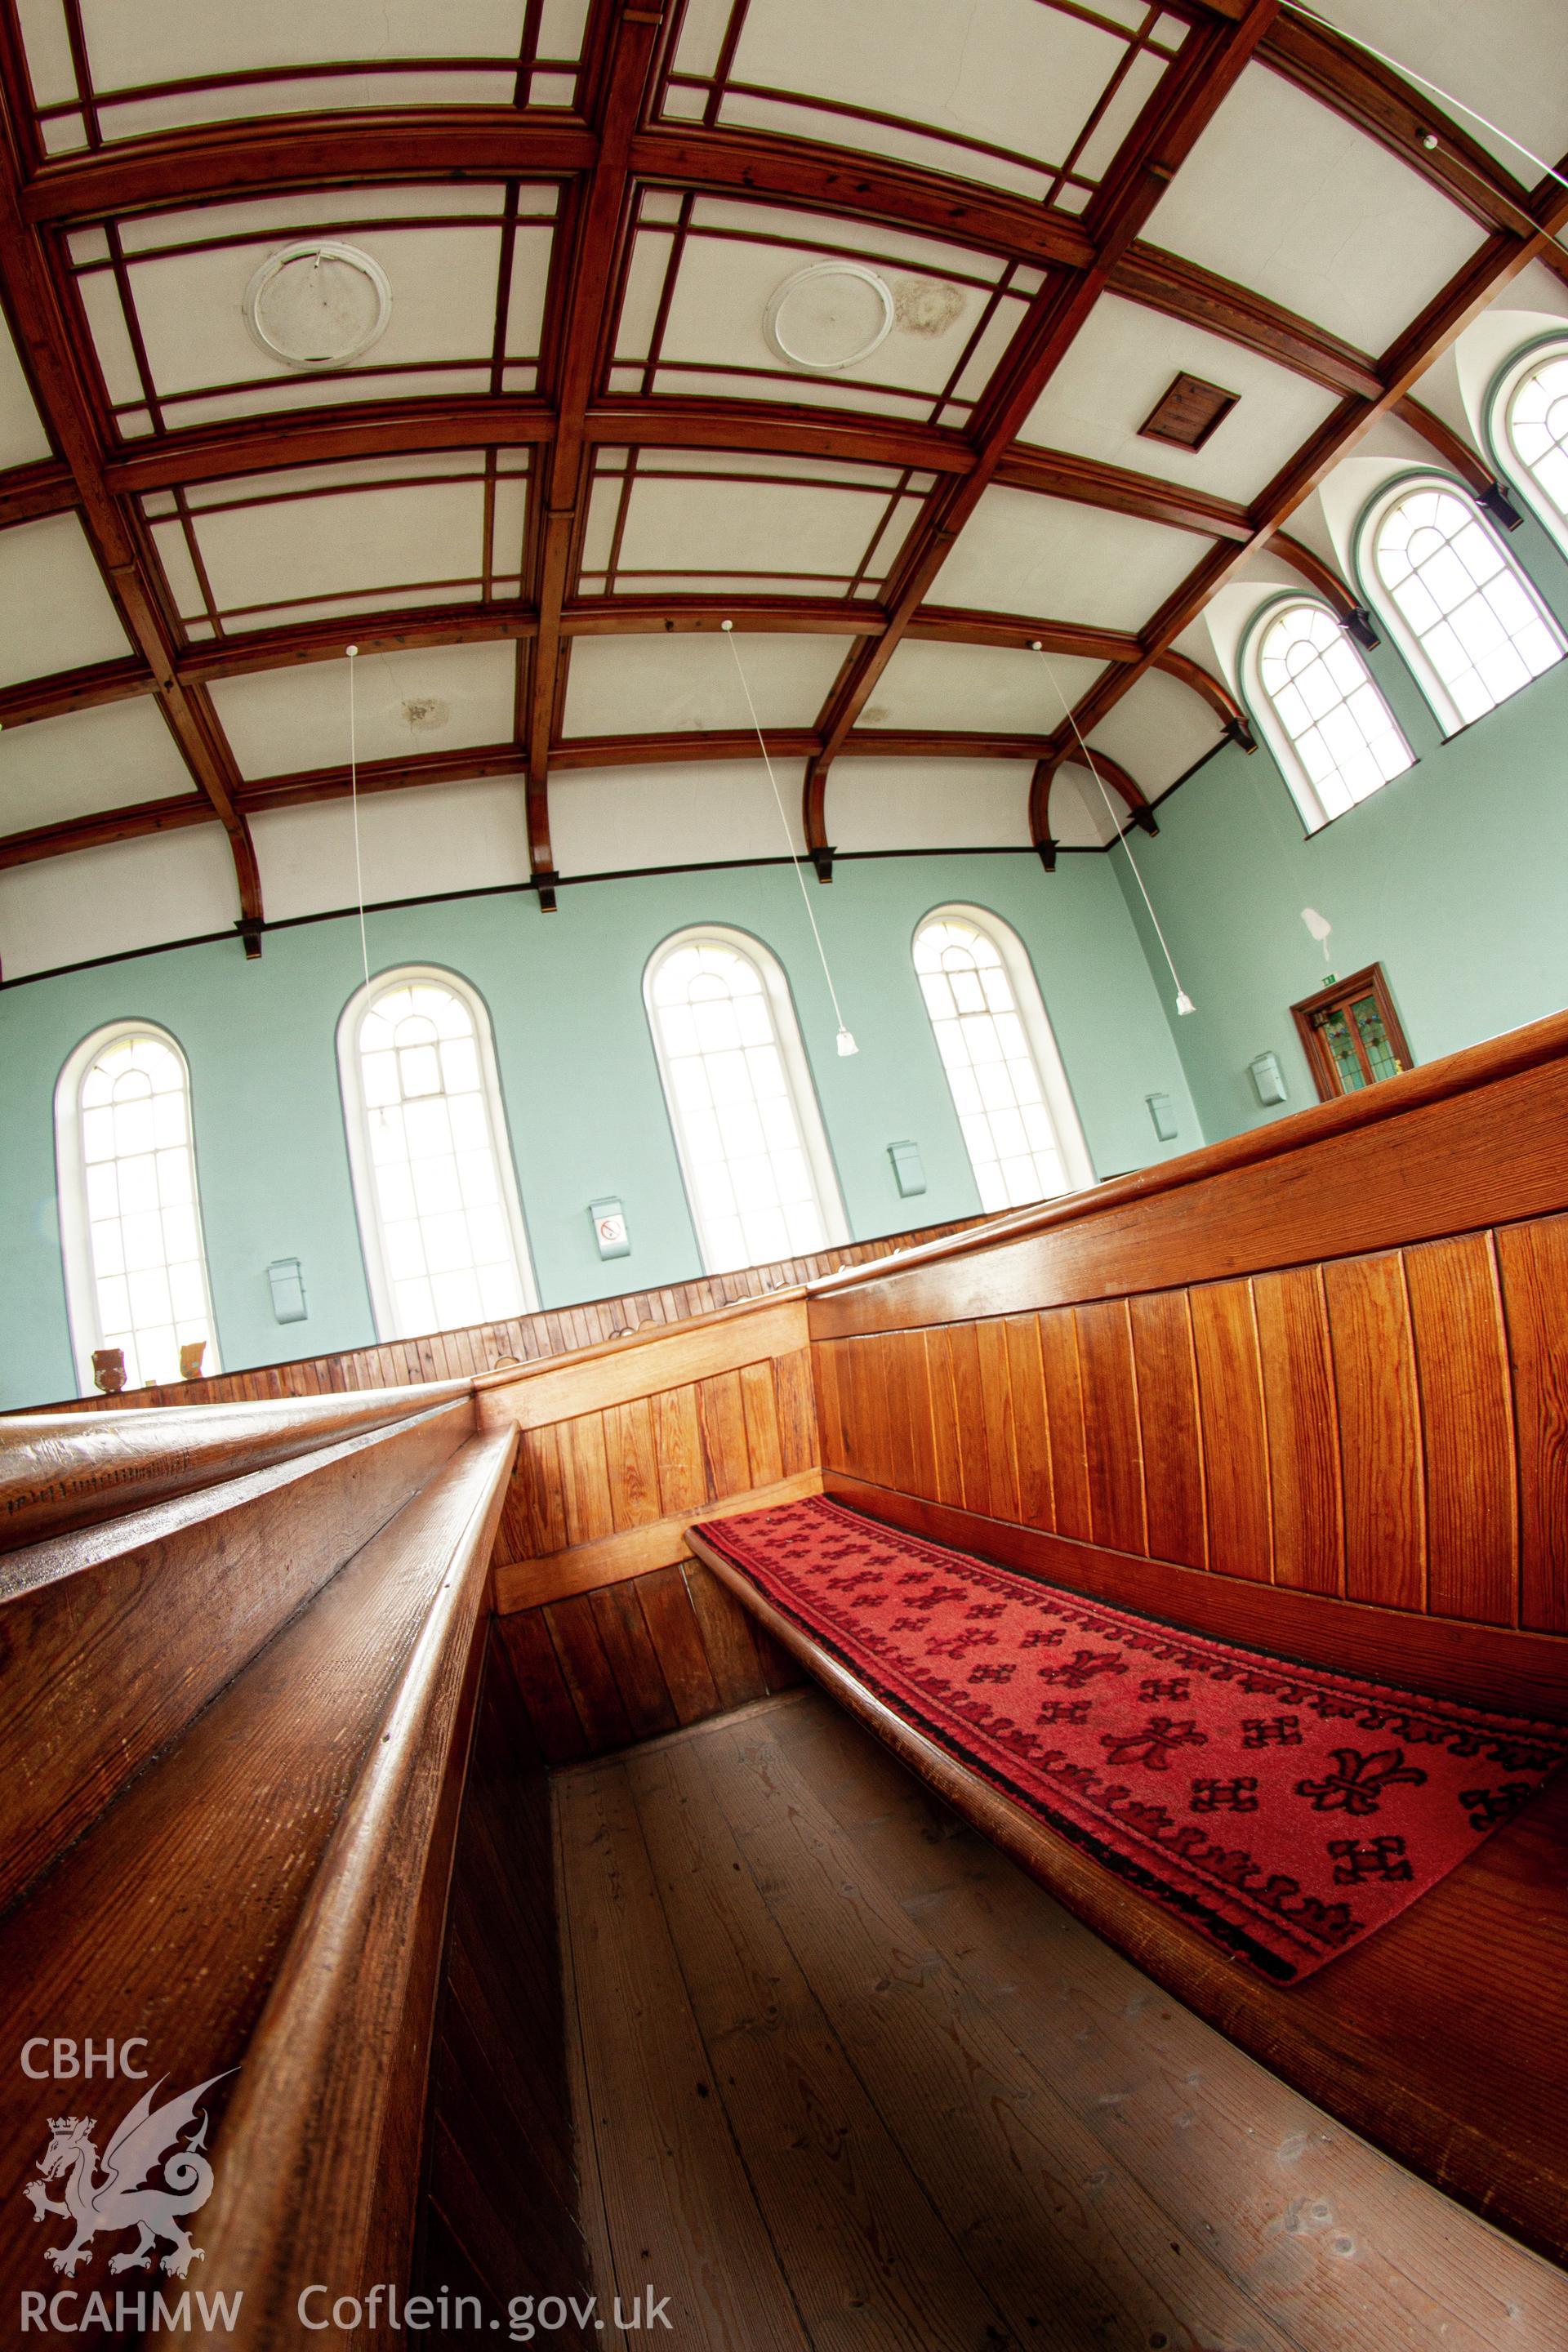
(1268, 1079)
(908, 1168)
(287, 1286)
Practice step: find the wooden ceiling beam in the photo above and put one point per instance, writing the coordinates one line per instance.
(1180, 289)
(802, 175)
(1050, 760)
(623, 39)
(1185, 102)
(269, 650)
(577, 754)
(1086, 481)
(218, 161)
(107, 826)
(33, 307)
(29, 492)
(1407, 121)
(1400, 368)
(1328, 585)
(73, 690)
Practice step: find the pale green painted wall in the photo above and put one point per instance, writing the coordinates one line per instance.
(578, 1074)
(1454, 878)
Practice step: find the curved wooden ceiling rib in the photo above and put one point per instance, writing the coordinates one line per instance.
(604, 152)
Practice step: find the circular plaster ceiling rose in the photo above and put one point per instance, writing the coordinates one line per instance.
(829, 317)
(318, 305)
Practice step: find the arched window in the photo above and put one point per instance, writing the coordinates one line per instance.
(759, 1175)
(439, 1218)
(1529, 425)
(1008, 1085)
(130, 1218)
(1332, 733)
(1467, 619)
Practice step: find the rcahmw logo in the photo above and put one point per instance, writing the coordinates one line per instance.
(150, 2176)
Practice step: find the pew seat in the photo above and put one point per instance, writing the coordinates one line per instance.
(1442, 2038)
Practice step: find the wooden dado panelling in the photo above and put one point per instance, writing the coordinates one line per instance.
(1389, 1429)
(523, 1339)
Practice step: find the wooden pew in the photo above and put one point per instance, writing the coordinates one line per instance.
(235, 1725)
(1306, 1388)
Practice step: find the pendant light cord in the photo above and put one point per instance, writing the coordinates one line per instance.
(354, 803)
(1183, 1002)
(728, 629)
(1297, 8)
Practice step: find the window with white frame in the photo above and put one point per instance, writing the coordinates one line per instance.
(439, 1216)
(753, 1153)
(1529, 422)
(1008, 1087)
(1468, 621)
(1334, 735)
(131, 1220)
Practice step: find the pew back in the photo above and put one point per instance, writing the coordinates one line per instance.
(1308, 1386)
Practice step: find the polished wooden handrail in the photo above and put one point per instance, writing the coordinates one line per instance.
(60, 1471)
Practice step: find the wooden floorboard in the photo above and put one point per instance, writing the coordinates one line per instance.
(846, 2078)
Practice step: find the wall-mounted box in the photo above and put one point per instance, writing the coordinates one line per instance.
(1268, 1079)
(908, 1168)
(287, 1286)
(1163, 1111)
(610, 1228)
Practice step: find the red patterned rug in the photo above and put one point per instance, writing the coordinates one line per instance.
(1283, 1811)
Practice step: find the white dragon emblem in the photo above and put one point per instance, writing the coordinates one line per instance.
(117, 2198)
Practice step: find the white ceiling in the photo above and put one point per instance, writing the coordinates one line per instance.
(1020, 104)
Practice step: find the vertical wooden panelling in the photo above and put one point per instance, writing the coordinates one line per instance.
(633, 1659)
(533, 1517)
(536, 1670)
(1231, 1407)
(589, 1676)
(969, 1405)
(944, 1418)
(1303, 1429)
(676, 1639)
(1031, 1428)
(1168, 1427)
(1380, 1430)
(825, 1356)
(1461, 1358)
(797, 1411)
(854, 1422)
(1111, 1426)
(629, 1661)
(632, 1461)
(996, 1395)
(893, 1362)
(1533, 1262)
(1064, 1413)
(681, 1481)
(729, 1637)
(585, 1478)
(721, 1419)
(916, 1398)
(759, 1405)
(871, 1393)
